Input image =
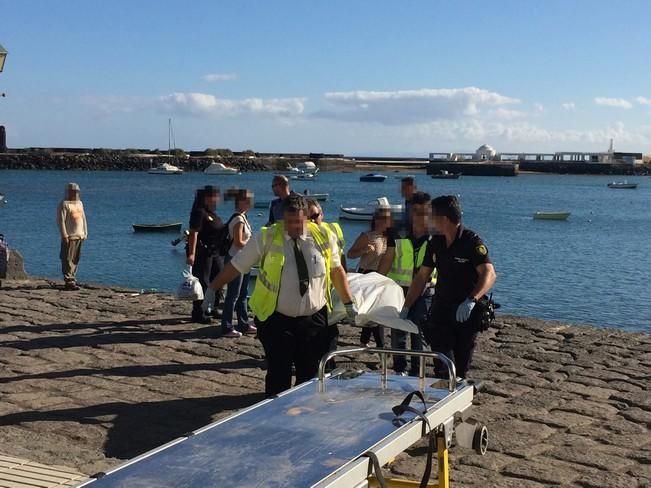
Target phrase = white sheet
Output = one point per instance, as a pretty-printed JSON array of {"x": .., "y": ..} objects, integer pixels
[{"x": 379, "y": 299}]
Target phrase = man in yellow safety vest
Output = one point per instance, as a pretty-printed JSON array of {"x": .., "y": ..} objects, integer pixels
[{"x": 299, "y": 264}]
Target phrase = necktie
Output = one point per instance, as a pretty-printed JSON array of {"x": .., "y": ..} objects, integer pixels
[{"x": 301, "y": 266}]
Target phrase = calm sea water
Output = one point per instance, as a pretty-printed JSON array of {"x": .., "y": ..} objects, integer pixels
[{"x": 593, "y": 268}]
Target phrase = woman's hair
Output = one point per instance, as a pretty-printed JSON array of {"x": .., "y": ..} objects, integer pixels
[{"x": 379, "y": 213}]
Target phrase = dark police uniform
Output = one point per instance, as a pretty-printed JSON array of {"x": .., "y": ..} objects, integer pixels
[
  {"x": 207, "y": 261},
  {"x": 457, "y": 277}
]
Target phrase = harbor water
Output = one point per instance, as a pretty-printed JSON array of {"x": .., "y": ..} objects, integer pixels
[{"x": 593, "y": 268}]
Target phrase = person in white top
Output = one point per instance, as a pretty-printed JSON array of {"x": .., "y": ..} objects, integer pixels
[
  {"x": 71, "y": 221},
  {"x": 297, "y": 332},
  {"x": 239, "y": 231}
]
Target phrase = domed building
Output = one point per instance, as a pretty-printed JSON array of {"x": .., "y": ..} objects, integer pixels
[{"x": 485, "y": 153}]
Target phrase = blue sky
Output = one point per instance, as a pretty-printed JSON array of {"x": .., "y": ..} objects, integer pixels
[{"x": 353, "y": 77}]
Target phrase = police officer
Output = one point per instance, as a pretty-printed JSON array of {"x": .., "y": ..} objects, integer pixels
[
  {"x": 202, "y": 248},
  {"x": 465, "y": 274},
  {"x": 402, "y": 260},
  {"x": 299, "y": 264}
]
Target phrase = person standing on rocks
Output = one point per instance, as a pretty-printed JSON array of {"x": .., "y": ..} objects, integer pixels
[
  {"x": 71, "y": 221},
  {"x": 299, "y": 265},
  {"x": 465, "y": 275}
]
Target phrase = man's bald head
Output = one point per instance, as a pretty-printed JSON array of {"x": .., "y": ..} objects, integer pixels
[{"x": 280, "y": 186}]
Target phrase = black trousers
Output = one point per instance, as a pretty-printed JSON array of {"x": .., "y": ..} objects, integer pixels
[
  {"x": 206, "y": 266},
  {"x": 456, "y": 340},
  {"x": 293, "y": 341}
]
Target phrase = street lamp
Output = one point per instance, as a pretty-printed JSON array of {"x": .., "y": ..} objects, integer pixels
[{"x": 3, "y": 56}]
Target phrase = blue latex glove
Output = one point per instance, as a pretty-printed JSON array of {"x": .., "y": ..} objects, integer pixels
[
  {"x": 208, "y": 300},
  {"x": 465, "y": 309},
  {"x": 351, "y": 311},
  {"x": 404, "y": 312}
]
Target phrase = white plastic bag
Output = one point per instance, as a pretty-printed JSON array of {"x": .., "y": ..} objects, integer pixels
[
  {"x": 378, "y": 299},
  {"x": 190, "y": 288}
]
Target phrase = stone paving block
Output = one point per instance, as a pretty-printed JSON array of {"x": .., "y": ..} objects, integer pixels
[{"x": 607, "y": 480}]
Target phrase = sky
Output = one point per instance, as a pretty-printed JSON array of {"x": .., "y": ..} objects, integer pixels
[{"x": 399, "y": 78}]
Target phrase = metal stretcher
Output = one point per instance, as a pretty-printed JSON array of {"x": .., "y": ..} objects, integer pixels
[{"x": 333, "y": 431}]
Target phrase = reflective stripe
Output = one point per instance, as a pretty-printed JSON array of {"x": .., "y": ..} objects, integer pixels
[
  {"x": 402, "y": 268},
  {"x": 262, "y": 277}
]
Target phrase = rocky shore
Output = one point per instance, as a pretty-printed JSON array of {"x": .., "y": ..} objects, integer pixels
[{"x": 95, "y": 377}]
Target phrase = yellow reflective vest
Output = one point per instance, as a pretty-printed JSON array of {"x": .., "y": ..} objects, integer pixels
[
  {"x": 336, "y": 228},
  {"x": 264, "y": 299},
  {"x": 404, "y": 262}
]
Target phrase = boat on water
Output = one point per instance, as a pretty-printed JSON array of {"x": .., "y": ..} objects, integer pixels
[
  {"x": 445, "y": 175},
  {"x": 167, "y": 168},
  {"x": 624, "y": 185},
  {"x": 216, "y": 168},
  {"x": 172, "y": 227},
  {"x": 551, "y": 215},
  {"x": 373, "y": 178},
  {"x": 366, "y": 213},
  {"x": 3, "y": 200},
  {"x": 305, "y": 176}
]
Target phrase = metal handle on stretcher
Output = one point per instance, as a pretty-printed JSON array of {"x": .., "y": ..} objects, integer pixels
[{"x": 452, "y": 371}]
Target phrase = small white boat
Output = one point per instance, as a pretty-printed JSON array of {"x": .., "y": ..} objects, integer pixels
[
  {"x": 307, "y": 167},
  {"x": 551, "y": 215},
  {"x": 445, "y": 175},
  {"x": 165, "y": 169},
  {"x": 3, "y": 200},
  {"x": 624, "y": 185},
  {"x": 305, "y": 176},
  {"x": 366, "y": 213},
  {"x": 220, "y": 169}
]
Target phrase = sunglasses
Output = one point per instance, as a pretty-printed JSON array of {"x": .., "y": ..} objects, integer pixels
[{"x": 315, "y": 216}]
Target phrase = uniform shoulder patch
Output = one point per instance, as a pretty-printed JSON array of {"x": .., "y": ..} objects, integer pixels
[{"x": 481, "y": 250}]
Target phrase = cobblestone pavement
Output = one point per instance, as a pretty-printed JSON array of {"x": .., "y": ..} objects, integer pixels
[{"x": 91, "y": 378}]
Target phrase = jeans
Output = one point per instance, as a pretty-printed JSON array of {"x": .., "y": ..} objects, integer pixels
[
  {"x": 418, "y": 315},
  {"x": 236, "y": 300}
]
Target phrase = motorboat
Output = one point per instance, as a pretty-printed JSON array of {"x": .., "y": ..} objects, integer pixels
[
  {"x": 373, "y": 178},
  {"x": 445, "y": 175},
  {"x": 551, "y": 215},
  {"x": 366, "y": 213},
  {"x": 3, "y": 200},
  {"x": 165, "y": 169},
  {"x": 220, "y": 169},
  {"x": 305, "y": 176},
  {"x": 307, "y": 167},
  {"x": 624, "y": 185},
  {"x": 289, "y": 170},
  {"x": 173, "y": 227},
  {"x": 320, "y": 197}
]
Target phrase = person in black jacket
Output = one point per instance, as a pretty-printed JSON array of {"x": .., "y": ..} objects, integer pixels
[{"x": 202, "y": 249}]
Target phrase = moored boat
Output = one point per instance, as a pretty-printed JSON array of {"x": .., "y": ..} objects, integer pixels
[
  {"x": 172, "y": 227},
  {"x": 165, "y": 169},
  {"x": 216, "y": 168},
  {"x": 373, "y": 177},
  {"x": 445, "y": 175},
  {"x": 551, "y": 215},
  {"x": 624, "y": 185},
  {"x": 366, "y": 213}
]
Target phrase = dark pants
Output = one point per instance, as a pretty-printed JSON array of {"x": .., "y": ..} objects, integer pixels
[
  {"x": 69, "y": 254},
  {"x": 378, "y": 335},
  {"x": 293, "y": 341},
  {"x": 418, "y": 315},
  {"x": 206, "y": 266},
  {"x": 455, "y": 340}
]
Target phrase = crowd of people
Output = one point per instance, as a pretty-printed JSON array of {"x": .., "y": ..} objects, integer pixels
[{"x": 443, "y": 268}]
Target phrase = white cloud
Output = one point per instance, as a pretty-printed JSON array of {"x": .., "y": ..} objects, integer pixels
[
  {"x": 219, "y": 77},
  {"x": 569, "y": 106},
  {"x": 205, "y": 104},
  {"x": 643, "y": 100},
  {"x": 538, "y": 108},
  {"x": 411, "y": 106},
  {"x": 613, "y": 102}
]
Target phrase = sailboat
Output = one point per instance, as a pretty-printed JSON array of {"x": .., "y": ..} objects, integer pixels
[{"x": 167, "y": 168}]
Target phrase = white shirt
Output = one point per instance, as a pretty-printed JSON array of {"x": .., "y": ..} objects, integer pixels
[
  {"x": 290, "y": 301},
  {"x": 231, "y": 231}
]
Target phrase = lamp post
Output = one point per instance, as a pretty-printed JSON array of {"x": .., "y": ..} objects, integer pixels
[{"x": 3, "y": 56}]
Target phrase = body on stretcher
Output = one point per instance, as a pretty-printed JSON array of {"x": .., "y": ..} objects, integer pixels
[{"x": 316, "y": 434}]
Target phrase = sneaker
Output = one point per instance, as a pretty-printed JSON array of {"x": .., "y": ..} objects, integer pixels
[
  {"x": 232, "y": 333},
  {"x": 250, "y": 329},
  {"x": 364, "y": 344}
]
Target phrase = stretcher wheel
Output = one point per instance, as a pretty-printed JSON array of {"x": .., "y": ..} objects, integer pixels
[{"x": 480, "y": 440}]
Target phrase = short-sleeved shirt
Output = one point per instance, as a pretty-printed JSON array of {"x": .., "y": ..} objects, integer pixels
[
  {"x": 276, "y": 209},
  {"x": 290, "y": 301},
  {"x": 456, "y": 265},
  {"x": 208, "y": 225},
  {"x": 238, "y": 219}
]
